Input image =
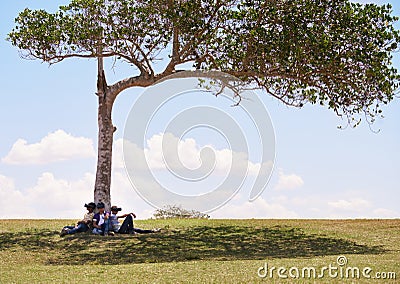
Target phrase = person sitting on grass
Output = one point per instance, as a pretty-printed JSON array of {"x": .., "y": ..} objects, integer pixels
[
  {"x": 101, "y": 221},
  {"x": 82, "y": 225},
  {"x": 127, "y": 226}
]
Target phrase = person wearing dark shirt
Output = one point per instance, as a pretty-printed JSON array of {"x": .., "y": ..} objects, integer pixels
[
  {"x": 101, "y": 220},
  {"x": 127, "y": 226}
]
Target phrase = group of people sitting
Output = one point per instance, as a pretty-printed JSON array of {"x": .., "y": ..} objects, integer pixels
[{"x": 105, "y": 223}]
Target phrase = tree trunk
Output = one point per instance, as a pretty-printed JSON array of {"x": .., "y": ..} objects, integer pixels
[
  {"x": 105, "y": 140},
  {"x": 107, "y": 95}
]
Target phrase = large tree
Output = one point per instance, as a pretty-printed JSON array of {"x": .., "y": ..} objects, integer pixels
[{"x": 329, "y": 52}]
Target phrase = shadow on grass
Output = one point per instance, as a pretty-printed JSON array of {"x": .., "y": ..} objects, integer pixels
[{"x": 207, "y": 243}]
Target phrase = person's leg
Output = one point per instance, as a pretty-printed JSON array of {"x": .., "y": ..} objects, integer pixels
[
  {"x": 69, "y": 227},
  {"x": 72, "y": 231},
  {"x": 65, "y": 230},
  {"x": 105, "y": 227},
  {"x": 141, "y": 231},
  {"x": 80, "y": 228},
  {"x": 130, "y": 224},
  {"x": 127, "y": 225},
  {"x": 97, "y": 231},
  {"x": 116, "y": 228}
]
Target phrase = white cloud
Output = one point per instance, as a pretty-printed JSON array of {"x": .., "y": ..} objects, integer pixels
[
  {"x": 260, "y": 208},
  {"x": 125, "y": 196},
  {"x": 180, "y": 154},
  {"x": 58, "y": 195},
  {"x": 55, "y": 147},
  {"x": 354, "y": 204},
  {"x": 325, "y": 205},
  {"x": 287, "y": 182},
  {"x": 6, "y": 183},
  {"x": 117, "y": 155},
  {"x": 55, "y": 198},
  {"x": 385, "y": 213},
  {"x": 162, "y": 148},
  {"x": 49, "y": 198},
  {"x": 52, "y": 197},
  {"x": 184, "y": 173},
  {"x": 12, "y": 201}
]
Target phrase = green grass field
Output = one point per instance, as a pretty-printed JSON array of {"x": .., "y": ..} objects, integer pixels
[{"x": 202, "y": 251}]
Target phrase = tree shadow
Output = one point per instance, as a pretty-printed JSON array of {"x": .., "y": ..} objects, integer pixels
[{"x": 193, "y": 243}]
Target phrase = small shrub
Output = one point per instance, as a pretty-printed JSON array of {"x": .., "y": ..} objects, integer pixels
[{"x": 177, "y": 212}]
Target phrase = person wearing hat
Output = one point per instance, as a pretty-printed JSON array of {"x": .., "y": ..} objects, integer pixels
[
  {"x": 101, "y": 220},
  {"x": 127, "y": 226},
  {"x": 82, "y": 225}
]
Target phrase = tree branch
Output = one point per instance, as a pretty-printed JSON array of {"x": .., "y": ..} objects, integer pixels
[{"x": 136, "y": 81}]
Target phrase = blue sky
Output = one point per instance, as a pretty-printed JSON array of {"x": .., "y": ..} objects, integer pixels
[{"x": 49, "y": 134}]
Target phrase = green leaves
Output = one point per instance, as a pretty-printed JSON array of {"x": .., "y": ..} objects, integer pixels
[
  {"x": 134, "y": 30},
  {"x": 334, "y": 53}
]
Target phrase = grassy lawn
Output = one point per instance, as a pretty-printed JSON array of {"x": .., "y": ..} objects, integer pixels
[{"x": 200, "y": 251}]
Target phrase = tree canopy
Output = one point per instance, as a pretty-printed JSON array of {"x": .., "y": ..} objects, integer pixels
[{"x": 329, "y": 52}]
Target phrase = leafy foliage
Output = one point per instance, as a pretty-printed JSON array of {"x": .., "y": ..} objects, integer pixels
[
  {"x": 333, "y": 53},
  {"x": 177, "y": 212}
]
